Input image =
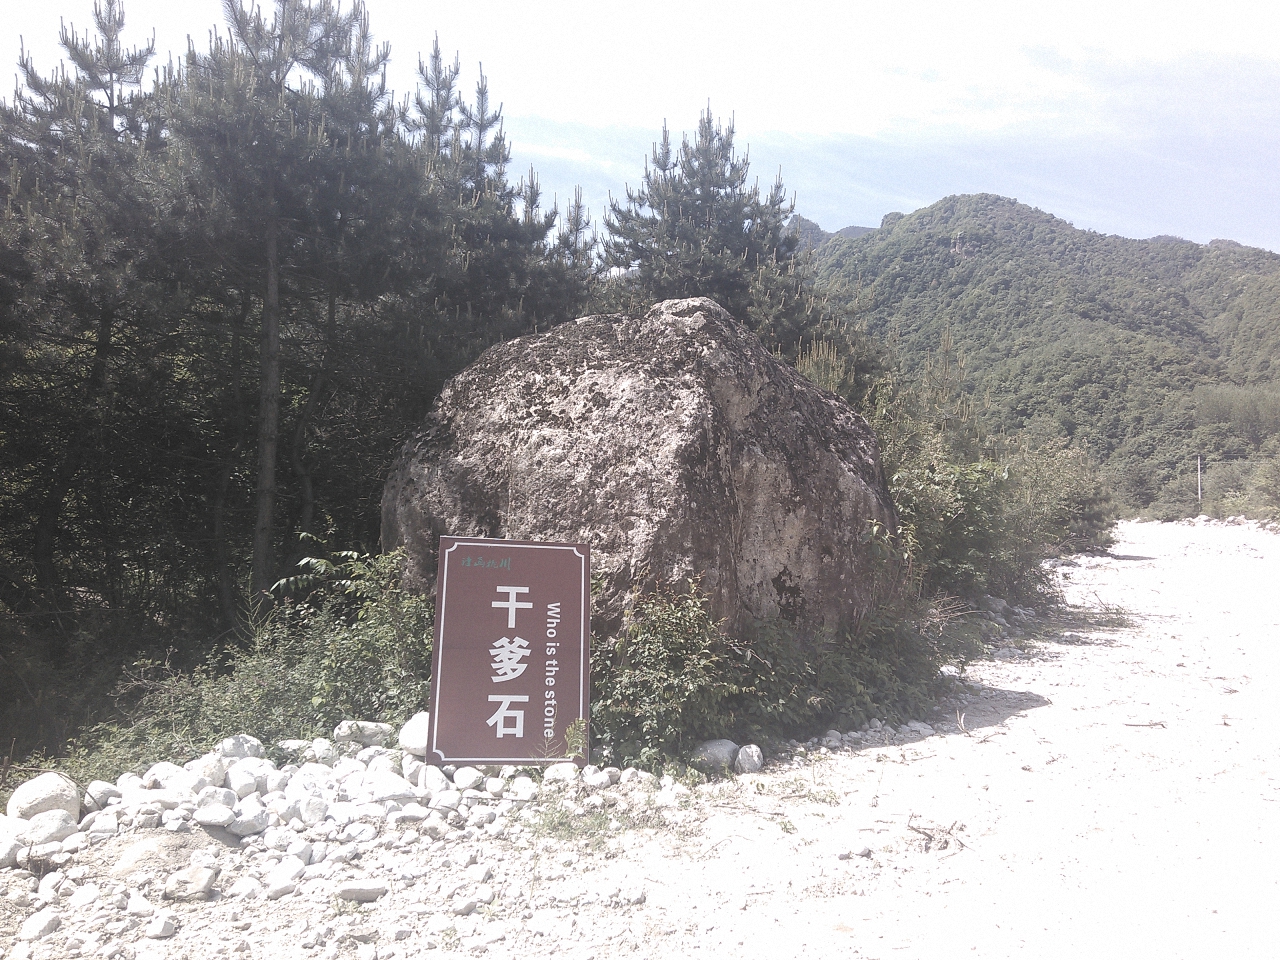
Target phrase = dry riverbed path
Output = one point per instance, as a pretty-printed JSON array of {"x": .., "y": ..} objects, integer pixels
[{"x": 1116, "y": 793}]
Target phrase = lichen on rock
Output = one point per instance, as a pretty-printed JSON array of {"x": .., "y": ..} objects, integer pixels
[{"x": 673, "y": 444}]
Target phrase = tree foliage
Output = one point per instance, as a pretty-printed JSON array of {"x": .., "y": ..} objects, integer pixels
[
  {"x": 1105, "y": 342},
  {"x": 225, "y": 299},
  {"x": 696, "y": 226}
]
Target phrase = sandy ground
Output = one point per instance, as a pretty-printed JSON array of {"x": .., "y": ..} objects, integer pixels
[{"x": 1116, "y": 796}]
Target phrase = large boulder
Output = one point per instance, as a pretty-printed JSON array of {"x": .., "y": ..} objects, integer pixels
[{"x": 673, "y": 444}]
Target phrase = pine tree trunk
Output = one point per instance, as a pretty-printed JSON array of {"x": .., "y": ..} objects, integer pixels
[
  {"x": 268, "y": 413},
  {"x": 226, "y": 574},
  {"x": 49, "y": 518},
  {"x": 306, "y": 516}
]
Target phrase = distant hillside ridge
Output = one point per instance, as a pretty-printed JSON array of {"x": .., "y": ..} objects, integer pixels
[
  {"x": 813, "y": 236},
  {"x": 1110, "y": 341}
]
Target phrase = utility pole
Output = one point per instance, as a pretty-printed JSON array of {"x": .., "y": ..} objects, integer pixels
[{"x": 1199, "y": 498}]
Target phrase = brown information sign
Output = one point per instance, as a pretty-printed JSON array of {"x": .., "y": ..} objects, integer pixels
[{"x": 511, "y": 668}]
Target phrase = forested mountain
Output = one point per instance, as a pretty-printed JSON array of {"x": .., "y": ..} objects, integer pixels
[{"x": 1145, "y": 352}]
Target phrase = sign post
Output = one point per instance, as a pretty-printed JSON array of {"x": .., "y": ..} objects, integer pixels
[{"x": 511, "y": 670}]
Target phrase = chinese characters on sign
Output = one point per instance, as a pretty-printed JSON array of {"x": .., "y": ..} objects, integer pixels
[{"x": 510, "y": 675}]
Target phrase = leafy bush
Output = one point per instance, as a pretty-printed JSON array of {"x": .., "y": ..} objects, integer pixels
[
  {"x": 356, "y": 646},
  {"x": 663, "y": 686},
  {"x": 675, "y": 678},
  {"x": 977, "y": 514}
]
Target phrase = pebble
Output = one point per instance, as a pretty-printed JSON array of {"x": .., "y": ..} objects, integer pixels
[
  {"x": 160, "y": 927},
  {"x": 342, "y": 822},
  {"x": 193, "y": 883},
  {"x": 362, "y": 891}
]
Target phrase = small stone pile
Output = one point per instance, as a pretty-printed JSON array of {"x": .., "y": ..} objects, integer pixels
[{"x": 121, "y": 868}]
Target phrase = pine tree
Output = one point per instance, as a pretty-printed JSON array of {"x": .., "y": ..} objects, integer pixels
[
  {"x": 697, "y": 227},
  {"x": 75, "y": 148}
]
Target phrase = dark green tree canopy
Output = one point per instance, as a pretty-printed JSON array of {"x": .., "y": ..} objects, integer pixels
[{"x": 697, "y": 226}]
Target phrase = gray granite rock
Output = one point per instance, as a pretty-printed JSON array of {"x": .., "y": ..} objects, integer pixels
[
  {"x": 698, "y": 453},
  {"x": 714, "y": 756}
]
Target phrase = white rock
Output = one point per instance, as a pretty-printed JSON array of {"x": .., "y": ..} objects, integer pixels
[
  {"x": 12, "y": 826},
  {"x": 312, "y": 810},
  {"x": 99, "y": 793},
  {"x": 52, "y": 826},
  {"x": 362, "y": 891},
  {"x": 160, "y": 928},
  {"x": 277, "y": 887},
  {"x": 75, "y": 843},
  {"x": 49, "y": 791},
  {"x": 39, "y": 925},
  {"x": 246, "y": 887},
  {"x": 750, "y": 759},
  {"x": 379, "y": 787},
  {"x": 211, "y": 795},
  {"x": 283, "y": 879},
  {"x": 242, "y": 781},
  {"x": 241, "y": 745},
  {"x": 139, "y": 906},
  {"x": 212, "y": 766},
  {"x": 49, "y": 884},
  {"x": 365, "y": 732},
  {"x": 86, "y": 895},
  {"x": 561, "y": 772},
  {"x": 321, "y": 751},
  {"x": 214, "y": 815},
  {"x": 9, "y": 847},
  {"x": 358, "y": 832},
  {"x": 414, "y": 735},
  {"x": 596, "y": 779},
  {"x": 523, "y": 788},
  {"x": 479, "y": 872},
  {"x": 467, "y": 778},
  {"x": 250, "y": 818},
  {"x": 446, "y": 800},
  {"x": 193, "y": 883},
  {"x": 105, "y": 824},
  {"x": 432, "y": 778},
  {"x": 301, "y": 850},
  {"x": 160, "y": 774}
]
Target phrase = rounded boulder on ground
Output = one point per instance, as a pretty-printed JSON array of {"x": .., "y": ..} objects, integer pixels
[
  {"x": 750, "y": 759},
  {"x": 413, "y": 735},
  {"x": 49, "y": 791},
  {"x": 714, "y": 756},
  {"x": 676, "y": 445}
]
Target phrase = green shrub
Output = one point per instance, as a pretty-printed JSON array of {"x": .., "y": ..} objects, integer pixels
[
  {"x": 675, "y": 678},
  {"x": 355, "y": 646},
  {"x": 663, "y": 685}
]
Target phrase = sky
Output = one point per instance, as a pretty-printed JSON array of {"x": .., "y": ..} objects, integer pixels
[{"x": 1139, "y": 119}]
